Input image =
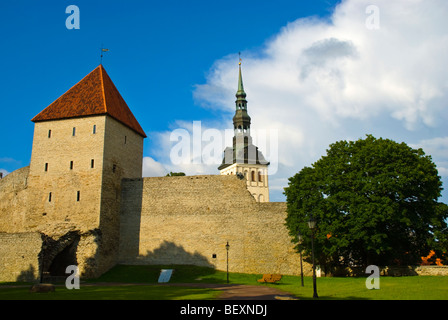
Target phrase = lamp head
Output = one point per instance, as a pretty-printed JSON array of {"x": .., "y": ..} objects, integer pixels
[{"x": 312, "y": 223}]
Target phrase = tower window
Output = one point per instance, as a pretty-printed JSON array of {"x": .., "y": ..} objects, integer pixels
[
  {"x": 49, "y": 197},
  {"x": 74, "y": 131},
  {"x": 94, "y": 128},
  {"x": 49, "y": 133},
  {"x": 71, "y": 165},
  {"x": 92, "y": 163},
  {"x": 259, "y": 176},
  {"x": 78, "y": 195},
  {"x": 252, "y": 175},
  {"x": 46, "y": 167}
]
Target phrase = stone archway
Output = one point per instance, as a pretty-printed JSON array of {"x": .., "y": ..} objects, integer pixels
[
  {"x": 58, "y": 253},
  {"x": 63, "y": 259}
]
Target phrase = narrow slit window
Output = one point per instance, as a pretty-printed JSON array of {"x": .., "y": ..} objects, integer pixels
[
  {"x": 78, "y": 195},
  {"x": 46, "y": 167},
  {"x": 74, "y": 131},
  {"x": 92, "y": 163},
  {"x": 49, "y": 133},
  {"x": 94, "y": 128},
  {"x": 71, "y": 165},
  {"x": 49, "y": 197},
  {"x": 125, "y": 138}
]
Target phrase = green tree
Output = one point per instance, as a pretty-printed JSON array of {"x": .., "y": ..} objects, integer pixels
[
  {"x": 175, "y": 174},
  {"x": 375, "y": 202}
]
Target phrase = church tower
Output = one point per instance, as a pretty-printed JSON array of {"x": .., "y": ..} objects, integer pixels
[{"x": 244, "y": 159}]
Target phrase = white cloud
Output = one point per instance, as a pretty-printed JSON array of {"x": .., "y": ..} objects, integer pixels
[
  {"x": 319, "y": 81},
  {"x": 152, "y": 168}
]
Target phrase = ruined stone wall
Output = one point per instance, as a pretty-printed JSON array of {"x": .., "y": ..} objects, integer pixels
[
  {"x": 189, "y": 220},
  {"x": 14, "y": 194},
  {"x": 19, "y": 256}
]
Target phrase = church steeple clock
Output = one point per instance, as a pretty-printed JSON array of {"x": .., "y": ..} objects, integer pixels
[{"x": 244, "y": 159}]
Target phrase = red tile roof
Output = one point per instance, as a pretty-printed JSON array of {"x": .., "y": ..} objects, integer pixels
[{"x": 95, "y": 94}]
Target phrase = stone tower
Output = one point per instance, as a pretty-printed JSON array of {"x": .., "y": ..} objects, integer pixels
[
  {"x": 244, "y": 159},
  {"x": 84, "y": 144}
]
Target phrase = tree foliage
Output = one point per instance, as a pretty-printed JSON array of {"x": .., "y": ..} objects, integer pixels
[
  {"x": 175, "y": 174},
  {"x": 375, "y": 202}
]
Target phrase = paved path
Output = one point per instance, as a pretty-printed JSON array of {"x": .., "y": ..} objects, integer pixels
[{"x": 243, "y": 292}]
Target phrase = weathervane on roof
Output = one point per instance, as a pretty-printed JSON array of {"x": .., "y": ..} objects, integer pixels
[{"x": 103, "y": 50}]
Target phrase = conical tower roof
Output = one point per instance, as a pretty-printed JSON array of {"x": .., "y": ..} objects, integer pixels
[{"x": 95, "y": 94}]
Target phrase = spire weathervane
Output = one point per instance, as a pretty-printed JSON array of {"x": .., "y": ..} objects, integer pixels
[{"x": 103, "y": 50}]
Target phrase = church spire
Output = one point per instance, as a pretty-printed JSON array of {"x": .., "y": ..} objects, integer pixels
[
  {"x": 243, "y": 158},
  {"x": 241, "y": 102},
  {"x": 241, "y": 120},
  {"x": 240, "y": 83}
]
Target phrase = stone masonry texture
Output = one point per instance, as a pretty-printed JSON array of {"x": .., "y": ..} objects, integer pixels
[{"x": 189, "y": 220}]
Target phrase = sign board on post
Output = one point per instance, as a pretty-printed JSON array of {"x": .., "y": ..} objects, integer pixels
[{"x": 165, "y": 275}]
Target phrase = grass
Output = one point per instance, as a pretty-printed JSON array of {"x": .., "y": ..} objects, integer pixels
[
  {"x": 391, "y": 288},
  {"x": 141, "y": 283},
  {"x": 132, "y": 292}
]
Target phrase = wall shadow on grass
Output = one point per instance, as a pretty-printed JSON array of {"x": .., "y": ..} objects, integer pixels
[{"x": 171, "y": 253}]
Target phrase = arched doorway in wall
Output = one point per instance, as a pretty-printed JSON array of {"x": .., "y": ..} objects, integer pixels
[
  {"x": 63, "y": 259},
  {"x": 57, "y": 255}
]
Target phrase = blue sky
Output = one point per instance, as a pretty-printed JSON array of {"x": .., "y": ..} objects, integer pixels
[{"x": 312, "y": 70}]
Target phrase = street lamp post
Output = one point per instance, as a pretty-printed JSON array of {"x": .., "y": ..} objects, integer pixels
[
  {"x": 227, "y": 249},
  {"x": 312, "y": 226},
  {"x": 299, "y": 239}
]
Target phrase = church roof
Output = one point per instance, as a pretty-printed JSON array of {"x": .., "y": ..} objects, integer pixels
[{"x": 95, "y": 94}]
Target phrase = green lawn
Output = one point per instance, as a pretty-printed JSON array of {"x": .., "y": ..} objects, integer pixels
[
  {"x": 391, "y": 288},
  {"x": 133, "y": 292}
]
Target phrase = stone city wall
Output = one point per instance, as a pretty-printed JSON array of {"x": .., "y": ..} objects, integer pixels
[
  {"x": 189, "y": 220},
  {"x": 19, "y": 254}
]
